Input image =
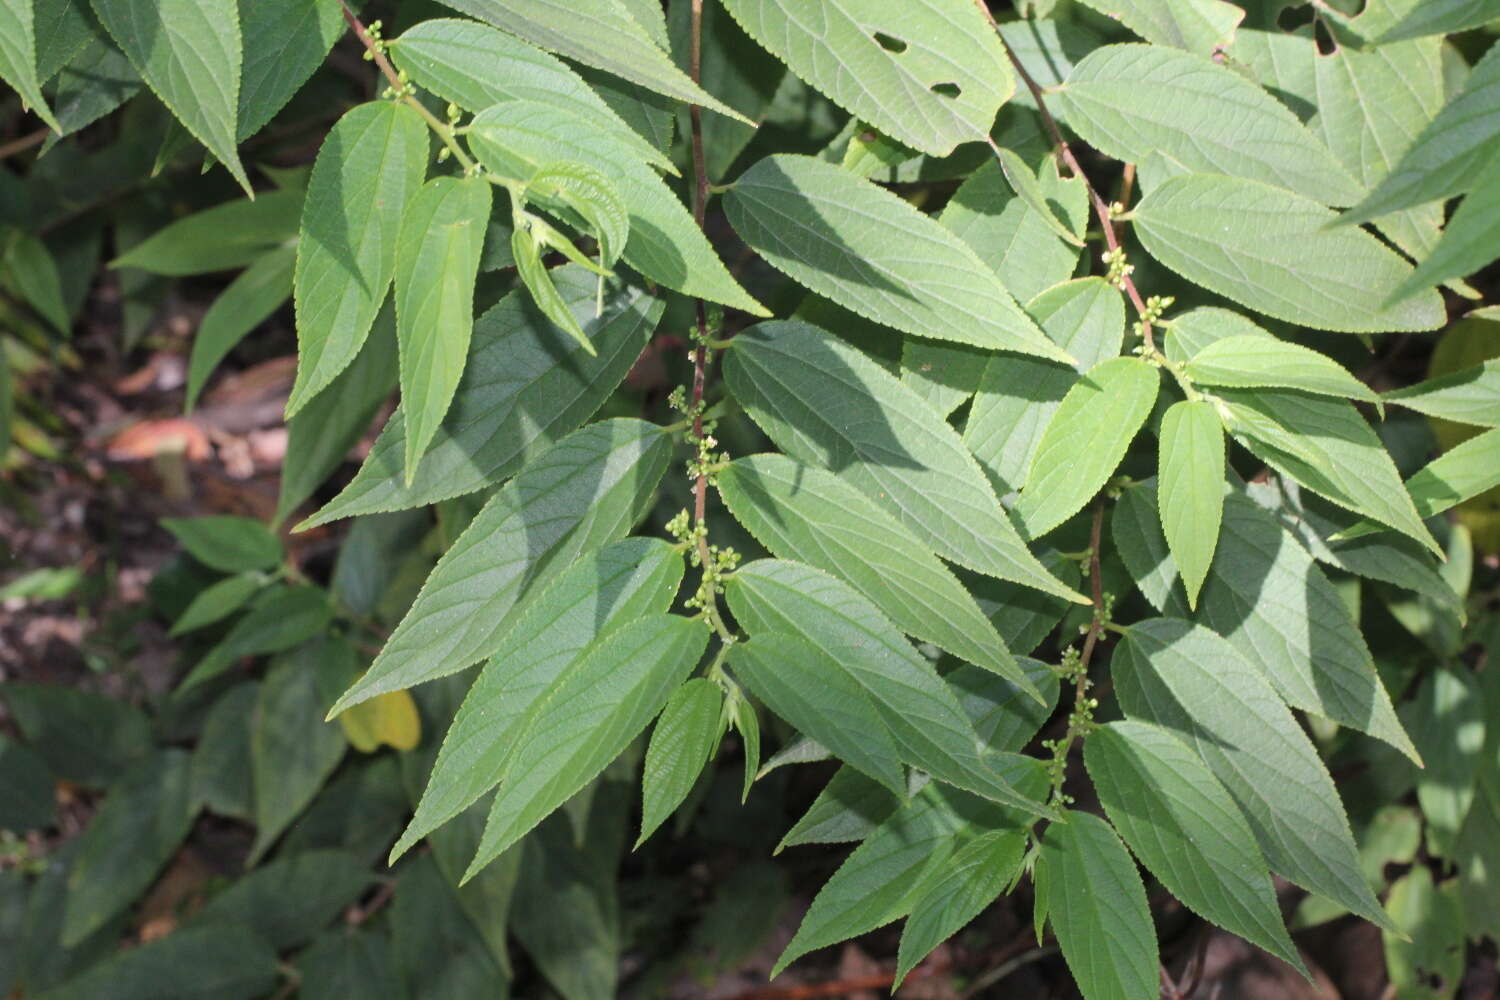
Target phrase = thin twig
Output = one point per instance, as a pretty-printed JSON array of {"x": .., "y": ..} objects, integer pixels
[
  {"x": 1005, "y": 968},
  {"x": 24, "y": 143},
  {"x": 1101, "y": 209}
]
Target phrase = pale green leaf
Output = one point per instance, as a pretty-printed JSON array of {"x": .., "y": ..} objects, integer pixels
[
  {"x": 1084, "y": 441},
  {"x": 1131, "y": 100},
  {"x": 369, "y": 166},
  {"x": 1202, "y": 26},
  {"x": 928, "y": 73},
  {"x": 1439, "y": 17},
  {"x": 824, "y": 699},
  {"x": 826, "y": 403},
  {"x": 1191, "y": 333},
  {"x": 437, "y": 259},
  {"x": 1191, "y": 488},
  {"x": 582, "y": 493},
  {"x": 868, "y": 250},
  {"x": 1459, "y": 474},
  {"x": 1326, "y": 446},
  {"x": 1468, "y": 242},
  {"x": 18, "y": 57},
  {"x": 1468, "y": 396},
  {"x": 525, "y": 384},
  {"x": 230, "y": 235},
  {"x": 285, "y": 41},
  {"x": 1269, "y": 249},
  {"x": 588, "y": 715},
  {"x": 1251, "y": 362},
  {"x": 1188, "y": 680},
  {"x": 242, "y": 306},
  {"x": 682, "y": 742},
  {"x": 225, "y": 542},
  {"x": 218, "y": 601},
  {"x": 1024, "y": 183},
  {"x": 1449, "y": 154},
  {"x": 526, "y": 249},
  {"x": 1425, "y": 944},
  {"x": 598, "y": 593},
  {"x": 1447, "y": 722},
  {"x": 1088, "y": 886},
  {"x": 593, "y": 197},
  {"x": 950, "y": 897},
  {"x": 803, "y": 512},
  {"x": 1016, "y": 397},
  {"x": 517, "y": 138},
  {"x": 476, "y": 66},
  {"x": 1182, "y": 824},
  {"x": 922, "y": 713},
  {"x": 599, "y": 33},
  {"x": 190, "y": 54}
]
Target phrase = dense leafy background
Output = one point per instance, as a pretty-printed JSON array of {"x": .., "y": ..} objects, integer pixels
[{"x": 514, "y": 497}]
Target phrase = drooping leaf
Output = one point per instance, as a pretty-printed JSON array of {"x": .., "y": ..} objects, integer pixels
[
  {"x": 681, "y": 744},
  {"x": 525, "y": 385},
  {"x": 1190, "y": 484},
  {"x": 1326, "y": 446},
  {"x": 227, "y": 543},
  {"x": 589, "y": 714},
  {"x": 1188, "y": 680},
  {"x": 1270, "y": 250},
  {"x": 924, "y": 717},
  {"x": 825, "y": 403},
  {"x": 1201, "y": 26},
  {"x": 1087, "y": 886},
  {"x": 1084, "y": 441},
  {"x": 1131, "y": 100},
  {"x": 437, "y": 259},
  {"x": 368, "y": 167},
  {"x": 246, "y": 303},
  {"x": 599, "y": 33},
  {"x": 517, "y": 138},
  {"x": 1016, "y": 397},
  {"x": 863, "y": 247},
  {"x": 1182, "y": 824},
  {"x": 190, "y": 53},
  {"x": 581, "y": 494},
  {"x": 929, "y": 73},
  {"x": 802, "y": 512},
  {"x": 285, "y": 41},
  {"x": 1248, "y": 362}
]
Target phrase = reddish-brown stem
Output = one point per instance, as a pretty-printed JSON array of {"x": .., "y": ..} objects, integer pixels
[
  {"x": 363, "y": 35},
  {"x": 24, "y": 143},
  {"x": 1101, "y": 208},
  {"x": 700, "y": 214}
]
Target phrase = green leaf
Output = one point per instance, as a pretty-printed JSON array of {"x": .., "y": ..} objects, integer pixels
[
  {"x": 1087, "y": 885},
  {"x": 230, "y": 235},
  {"x": 1183, "y": 825},
  {"x": 527, "y": 243},
  {"x": 802, "y": 512},
  {"x": 1459, "y": 474},
  {"x": 922, "y": 713},
  {"x": 435, "y": 942},
  {"x": 476, "y": 66},
  {"x": 599, "y": 33},
  {"x": 18, "y": 57},
  {"x": 285, "y": 42},
  {"x": 227, "y": 543},
  {"x": 1439, "y": 17},
  {"x": 1024, "y": 183},
  {"x": 590, "y": 194},
  {"x": 85, "y": 738},
  {"x": 145, "y": 816},
  {"x": 682, "y": 742},
  {"x": 369, "y": 166},
  {"x": 246, "y": 303},
  {"x": 218, "y": 602},
  {"x": 1191, "y": 488},
  {"x": 1251, "y": 362},
  {"x": 584, "y": 492},
  {"x": 1004, "y": 716},
  {"x": 344, "y": 962},
  {"x": 1190, "y": 681},
  {"x": 1468, "y": 242},
  {"x": 437, "y": 259},
  {"x": 929, "y": 73},
  {"x": 824, "y": 698},
  {"x": 27, "y": 790},
  {"x": 1010, "y": 236},
  {"x": 1447, "y": 722},
  {"x": 1193, "y": 332},
  {"x": 1326, "y": 446},
  {"x": 1449, "y": 154},
  {"x": 289, "y": 900},
  {"x": 1201, "y": 26},
  {"x": 1085, "y": 440},
  {"x": 826, "y": 403},
  {"x": 292, "y": 749},
  {"x": 566, "y": 912},
  {"x": 67, "y": 28},
  {"x": 1131, "y": 100},
  {"x": 517, "y": 138},
  {"x": 189, "y": 52},
  {"x": 1426, "y": 943},
  {"x": 221, "y": 760},
  {"x": 1468, "y": 396},
  {"x": 955, "y": 894},
  {"x": 225, "y": 962},
  {"x": 587, "y": 716},
  {"x": 862, "y": 246},
  {"x": 97, "y": 81},
  {"x": 33, "y": 271},
  {"x": 1016, "y": 397},
  {"x": 328, "y": 427},
  {"x": 1270, "y": 250},
  {"x": 848, "y": 809},
  {"x": 525, "y": 384}
]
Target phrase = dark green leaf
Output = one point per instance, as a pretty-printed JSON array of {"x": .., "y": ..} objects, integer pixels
[
  {"x": 681, "y": 744},
  {"x": 226, "y": 543}
]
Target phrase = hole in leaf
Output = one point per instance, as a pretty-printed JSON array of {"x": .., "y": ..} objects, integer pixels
[
  {"x": 1327, "y": 44},
  {"x": 946, "y": 89},
  {"x": 889, "y": 42},
  {"x": 1292, "y": 18}
]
